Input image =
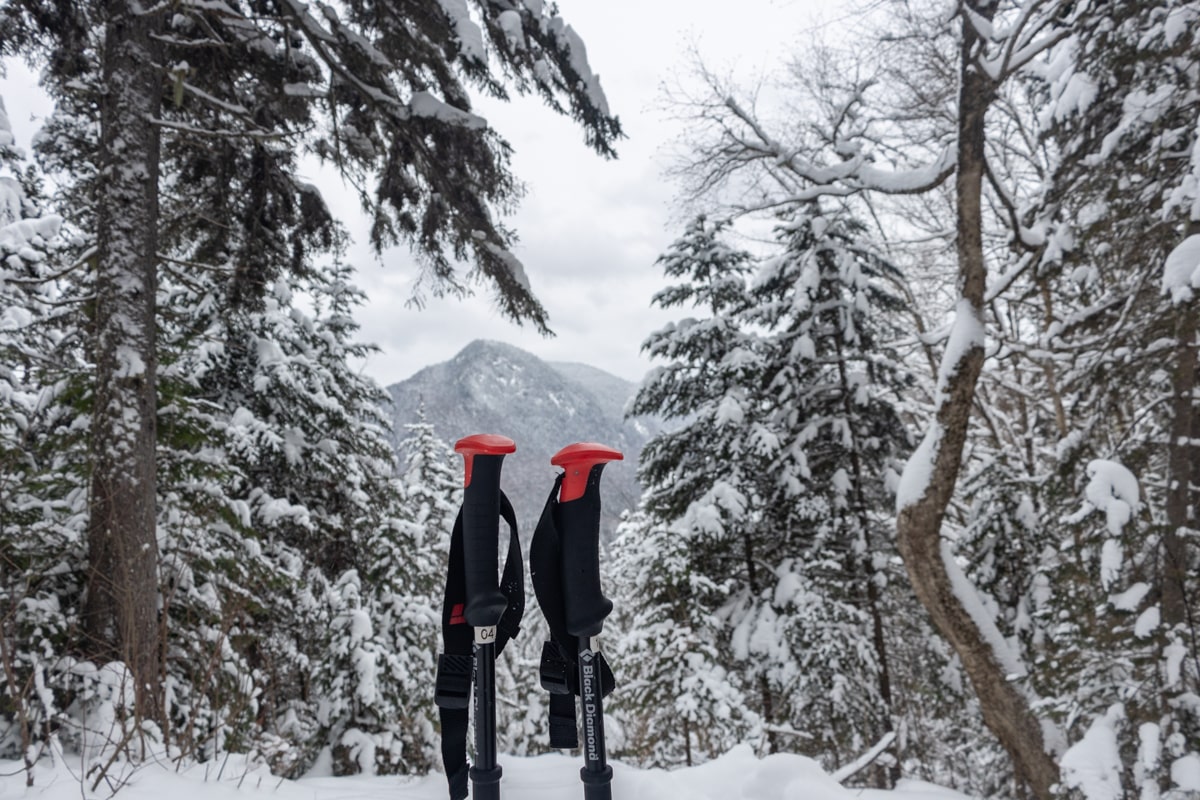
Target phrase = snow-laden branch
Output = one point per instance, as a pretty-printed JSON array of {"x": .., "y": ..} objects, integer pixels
[
  {"x": 1024, "y": 41},
  {"x": 855, "y": 174},
  {"x": 1181, "y": 272},
  {"x": 865, "y": 760}
]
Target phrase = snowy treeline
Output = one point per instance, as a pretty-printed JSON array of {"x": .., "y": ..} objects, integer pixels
[{"x": 936, "y": 465}]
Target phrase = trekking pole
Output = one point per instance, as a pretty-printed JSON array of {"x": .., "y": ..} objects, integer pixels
[
  {"x": 584, "y": 604},
  {"x": 485, "y": 603}
]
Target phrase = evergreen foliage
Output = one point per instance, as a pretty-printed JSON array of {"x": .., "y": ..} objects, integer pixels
[
  {"x": 1041, "y": 306},
  {"x": 758, "y": 557},
  {"x": 232, "y": 449}
]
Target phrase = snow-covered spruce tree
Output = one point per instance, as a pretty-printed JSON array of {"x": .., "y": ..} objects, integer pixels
[
  {"x": 431, "y": 488},
  {"x": 678, "y": 702},
  {"x": 404, "y": 569},
  {"x": 40, "y": 486},
  {"x": 774, "y": 491},
  {"x": 309, "y": 439},
  {"x": 217, "y": 99},
  {"x": 1122, "y": 108},
  {"x": 701, "y": 476},
  {"x": 706, "y": 362},
  {"x": 829, "y": 410}
]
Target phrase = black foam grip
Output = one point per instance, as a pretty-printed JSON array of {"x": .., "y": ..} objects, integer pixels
[
  {"x": 481, "y": 527},
  {"x": 578, "y": 524}
]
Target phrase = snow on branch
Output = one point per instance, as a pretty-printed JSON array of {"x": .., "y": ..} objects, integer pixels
[
  {"x": 853, "y": 175},
  {"x": 966, "y": 334},
  {"x": 865, "y": 760},
  {"x": 974, "y": 604},
  {"x": 1036, "y": 30},
  {"x": 1181, "y": 273},
  {"x": 1112, "y": 489}
]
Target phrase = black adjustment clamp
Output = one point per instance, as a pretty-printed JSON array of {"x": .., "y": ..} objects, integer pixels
[
  {"x": 555, "y": 671},
  {"x": 453, "y": 687}
]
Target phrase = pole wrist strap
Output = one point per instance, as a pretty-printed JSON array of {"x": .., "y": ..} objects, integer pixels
[
  {"x": 456, "y": 664},
  {"x": 559, "y": 669}
]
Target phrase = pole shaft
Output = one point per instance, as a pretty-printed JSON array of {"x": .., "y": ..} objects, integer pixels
[
  {"x": 596, "y": 774},
  {"x": 485, "y": 774}
]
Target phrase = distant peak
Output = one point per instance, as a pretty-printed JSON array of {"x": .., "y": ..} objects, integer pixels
[{"x": 480, "y": 347}]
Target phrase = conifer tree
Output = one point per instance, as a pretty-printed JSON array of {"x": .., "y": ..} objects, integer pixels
[
  {"x": 182, "y": 125},
  {"x": 829, "y": 408},
  {"x": 702, "y": 478},
  {"x": 679, "y": 703},
  {"x": 39, "y": 484},
  {"x": 1122, "y": 109}
]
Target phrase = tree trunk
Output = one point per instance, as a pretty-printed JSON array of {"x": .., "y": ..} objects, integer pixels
[
  {"x": 767, "y": 699},
  {"x": 1181, "y": 456},
  {"x": 120, "y": 615},
  {"x": 1006, "y": 710},
  {"x": 862, "y": 566}
]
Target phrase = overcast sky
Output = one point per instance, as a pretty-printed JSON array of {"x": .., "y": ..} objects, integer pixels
[{"x": 590, "y": 229}]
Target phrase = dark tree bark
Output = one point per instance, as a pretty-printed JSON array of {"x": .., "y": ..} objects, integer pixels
[
  {"x": 1006, "y": 710},
  {"x": 120, "y": 615},
  {"x": 1182, "y": 454},
  {"x": 863, "y": 566}
]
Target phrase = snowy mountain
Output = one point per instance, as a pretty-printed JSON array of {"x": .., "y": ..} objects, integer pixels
[{"x": 491, "y": 387}]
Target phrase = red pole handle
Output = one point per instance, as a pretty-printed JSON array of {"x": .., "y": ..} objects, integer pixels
[
  {"x": 577, "y": 461},
  {"x": 578, "y": 518},
  {"x": 487, "y": 444}
]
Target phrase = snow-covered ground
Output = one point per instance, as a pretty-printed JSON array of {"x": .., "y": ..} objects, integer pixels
[{"x": 738, "y": 775}]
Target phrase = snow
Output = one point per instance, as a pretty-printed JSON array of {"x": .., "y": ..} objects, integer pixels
[
  {"x": 1112, "y": 489},
  {"x": 971, "y": 601},
  {"x": 129, "y": 363},
  {"x": 737, "y": 775},
  {"x": 515, "y": 268},
  {"x": 966, "y": 334},
  {"x": 1093, "y": 764},
  {"x": 6, "y": 132},
  {"x": 1112, "y": 556},
  {"x": 1185, "y": 772},
  {"x": 1181, "y": 273},
  {"x": 1140, "y": 108},
  {"x": 25, "y": 234},
  {"x": 1173, "y": 655},
  {"x": 729, "y": 410},
  {"x": 510, "y": 22},
  {"x": 1077, "y": 96},
  {"x": 1147, "y": 622},
  {"x": 424, "y": 104},
  {"x": 866, "y": 758},
  {"x": 917, "y": 472},
  {"x": 1131, "y": 598},
  {"x": 11, "y": 200},
  {"x": 578, "y": 57},
  {"x": 470, "y": 37},
  {"x": 1150, "y": 745},
  {"x": 1177, "y": 23},
  {"x": 907, "y": 181}
]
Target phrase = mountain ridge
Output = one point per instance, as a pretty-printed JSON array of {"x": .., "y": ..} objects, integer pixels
[{"x": 495, "y": 387}]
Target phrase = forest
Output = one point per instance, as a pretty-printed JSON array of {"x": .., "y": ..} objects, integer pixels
[{"x": 925, "y": 497}]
